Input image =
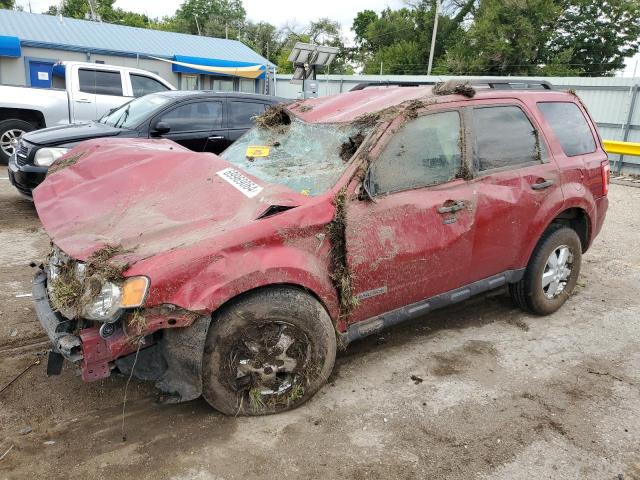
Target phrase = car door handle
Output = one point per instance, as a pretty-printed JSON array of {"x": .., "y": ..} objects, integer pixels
[
  {"x": 452, "y": 208},
  {"x": 83, "y": 100},
  {"x": 216, "y": 137},
  {"x": 542, "y": 185}
]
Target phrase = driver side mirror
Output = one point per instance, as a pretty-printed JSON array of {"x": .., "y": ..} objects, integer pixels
[{"x": 161, "y": 128}]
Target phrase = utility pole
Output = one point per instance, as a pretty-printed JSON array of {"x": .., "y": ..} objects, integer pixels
[
  {"x": 197, "y": 24},
  {"x": 433, "y": 37}
]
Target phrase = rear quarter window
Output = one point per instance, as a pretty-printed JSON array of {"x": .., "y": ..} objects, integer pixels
[{"x": 569, "y": 126}]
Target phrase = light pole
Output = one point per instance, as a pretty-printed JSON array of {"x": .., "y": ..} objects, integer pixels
[{"x": 433, "y": 37}]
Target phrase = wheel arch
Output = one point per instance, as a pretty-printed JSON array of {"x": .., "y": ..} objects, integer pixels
[{"x": 34, "y": 117}]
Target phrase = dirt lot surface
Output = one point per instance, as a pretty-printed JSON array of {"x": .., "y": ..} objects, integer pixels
[{"x": 503, "y": 395}]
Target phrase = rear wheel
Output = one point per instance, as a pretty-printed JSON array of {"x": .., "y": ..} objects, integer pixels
[
  {"x": 267, "y": 352},
  {"x": 552, "y": 272},
  {"x": 10, "y": 132}
]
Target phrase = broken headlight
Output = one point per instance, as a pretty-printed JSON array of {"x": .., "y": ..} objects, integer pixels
[{"x": 104, "y": 306}]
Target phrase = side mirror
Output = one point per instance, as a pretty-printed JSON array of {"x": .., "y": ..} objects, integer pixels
[
  {"x": 161, "y": 128},
  {"x": 366, "y": 189}
]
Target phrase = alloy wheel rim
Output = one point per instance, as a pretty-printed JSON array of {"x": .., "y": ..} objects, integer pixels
[
  {"x": 268, "y": 362},
  {"x": 9, "y": 140},
  {"x": 557, "y": 271}
]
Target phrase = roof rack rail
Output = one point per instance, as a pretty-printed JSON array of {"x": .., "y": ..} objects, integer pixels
[
  {"x": 498, "y": 84},
  {"x": 391, "y": 83},
  {"x": 505, "y": 84}
]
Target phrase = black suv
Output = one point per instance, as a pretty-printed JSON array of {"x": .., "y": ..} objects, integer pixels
[{"x": 199, "y": 120}]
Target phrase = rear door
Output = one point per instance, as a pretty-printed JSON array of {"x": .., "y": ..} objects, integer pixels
[
  {"x": 575, "y": 149},
  {"x": 415, "y": 239},
  {"x": 196, "y": 125},
  {"x": 518, "y": 185},
  {"x": 96, "y": 92},
  {"x": 241, "y": 114}
]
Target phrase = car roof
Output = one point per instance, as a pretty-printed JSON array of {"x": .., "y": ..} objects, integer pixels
[
  {"x": 348, "y": 106},
  {"x": 184, "y": 94}
]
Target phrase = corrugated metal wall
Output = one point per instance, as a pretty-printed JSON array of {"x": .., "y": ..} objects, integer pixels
[{"x": 608, "y": 99}]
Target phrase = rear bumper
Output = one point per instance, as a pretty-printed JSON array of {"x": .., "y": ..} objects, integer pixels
[{"x": 598, "y": 215}]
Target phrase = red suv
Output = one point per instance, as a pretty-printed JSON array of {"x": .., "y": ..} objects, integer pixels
[{"x": 236, "y": 277}]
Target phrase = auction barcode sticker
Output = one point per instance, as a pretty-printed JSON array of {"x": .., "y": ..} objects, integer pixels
[{"x": 239, "y": 181}]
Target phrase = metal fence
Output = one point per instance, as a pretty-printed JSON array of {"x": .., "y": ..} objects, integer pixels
[{"x": 614, "y": 103}]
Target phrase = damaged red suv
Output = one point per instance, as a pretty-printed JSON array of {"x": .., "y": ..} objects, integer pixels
[{"x": 236, "y": 277}]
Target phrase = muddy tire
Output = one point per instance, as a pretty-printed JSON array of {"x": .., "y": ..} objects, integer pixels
[
  {"x": 551, "y": 274},
  {"x": 267, "y": 352},
  {"x": 10, "y": 132}
]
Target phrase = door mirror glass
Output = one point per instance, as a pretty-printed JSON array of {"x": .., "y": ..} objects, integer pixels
[{"x": 161, "y": 128}]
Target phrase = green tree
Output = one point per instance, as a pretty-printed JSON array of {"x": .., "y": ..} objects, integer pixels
[
  {"x": 7, "y": 4},
  {"x": 264, "y": 38},
  {"x": 104, "y": 8},
  {"x": 399, "y": 41},
  {"x": 216, "y": 18},
  {"x": 507, "y": 37},
  {"x": 595, "y": 35}
]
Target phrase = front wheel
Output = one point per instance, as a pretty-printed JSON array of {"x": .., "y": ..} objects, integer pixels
[
  {"x": 10, "y": 132},
  {"x": 552, "y": 272},
  {"x": 267, "y": 352}
]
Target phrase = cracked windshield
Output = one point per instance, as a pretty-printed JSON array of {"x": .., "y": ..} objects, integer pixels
[{"x": 308, "y": 158}]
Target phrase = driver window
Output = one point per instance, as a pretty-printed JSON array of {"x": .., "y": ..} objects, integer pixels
[{"x": 426, "y": 151}]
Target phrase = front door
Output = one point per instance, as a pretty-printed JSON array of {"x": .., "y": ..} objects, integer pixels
[
  {"x": 40, "y": 73},
  {"x": 195, "y": 125},
  {"x": 414, "y": 240},
  {"x": 517, "y": 184}
]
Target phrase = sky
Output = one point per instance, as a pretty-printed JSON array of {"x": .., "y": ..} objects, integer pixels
[{"x": 280, "y": 12}]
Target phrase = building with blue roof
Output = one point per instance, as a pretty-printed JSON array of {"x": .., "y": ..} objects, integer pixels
[{"x": 31, "y": 43}]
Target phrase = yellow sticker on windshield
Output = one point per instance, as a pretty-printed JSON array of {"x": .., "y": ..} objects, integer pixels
[{"x": 255, "y": 151}]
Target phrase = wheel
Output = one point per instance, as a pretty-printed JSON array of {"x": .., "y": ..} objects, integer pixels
[
  {"x": 10, "y": 132},
  {"x": 269, "y": 351},
  {"x": 551, "y": 274}
]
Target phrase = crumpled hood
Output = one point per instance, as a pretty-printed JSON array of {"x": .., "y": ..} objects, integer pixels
[{"x": 148, "y": 196}]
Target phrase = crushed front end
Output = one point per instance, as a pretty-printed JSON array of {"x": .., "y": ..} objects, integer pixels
[{"x": 95, "y": 318}]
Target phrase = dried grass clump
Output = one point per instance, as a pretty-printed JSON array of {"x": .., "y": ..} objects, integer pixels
[
  {"x": 274, "y": 117},
  {"x": 63, "y": 163},
  {"x": 453, "y": 87},
  {"x": 99, "y": 262},
  {"x": 340, "y": 274}
]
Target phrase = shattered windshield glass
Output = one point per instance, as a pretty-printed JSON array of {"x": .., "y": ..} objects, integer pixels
[{"x": 308, "y": 158}]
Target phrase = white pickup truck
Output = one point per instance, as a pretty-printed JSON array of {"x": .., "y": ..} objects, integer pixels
[{"x": 80, "y": 92}]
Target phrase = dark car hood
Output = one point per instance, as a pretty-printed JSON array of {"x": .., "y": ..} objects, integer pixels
[
  {"x": 149, "y": 196},
  {"x": 75, "y": 132}
]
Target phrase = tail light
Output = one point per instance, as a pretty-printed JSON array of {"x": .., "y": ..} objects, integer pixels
[{"x": 605, "y": 170}]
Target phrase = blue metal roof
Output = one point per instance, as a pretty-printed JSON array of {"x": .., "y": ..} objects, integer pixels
[{"x": 47, "y": 31}]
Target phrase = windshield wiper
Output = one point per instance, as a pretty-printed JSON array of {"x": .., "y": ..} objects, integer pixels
[{"x": 123, "y": 117}]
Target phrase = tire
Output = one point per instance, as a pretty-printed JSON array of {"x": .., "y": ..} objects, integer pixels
[
  {"x": 529, "y": 293},
  {"x": 10, "y": 132},
  {"x": 268, "y": 351}
]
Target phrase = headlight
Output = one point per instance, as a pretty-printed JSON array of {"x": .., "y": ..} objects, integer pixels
[
  {"x": 46, "y": 156},
  {"x": 106, "y": 304}
]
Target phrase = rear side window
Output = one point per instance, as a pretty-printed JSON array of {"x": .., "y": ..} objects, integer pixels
[
  {"x": 142, "y": 85},
  {"x": 425, "y": 152},
  {"x": 503, "y": 137},
  {"x": 100, "y": 82},
  {"x": 569, "y": 126},
  {"x": 193, "y": 117},
  {"x": 241, "y": 113}
]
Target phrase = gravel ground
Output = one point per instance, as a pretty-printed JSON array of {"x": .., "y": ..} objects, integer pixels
[{"x": 504, "y": 395}]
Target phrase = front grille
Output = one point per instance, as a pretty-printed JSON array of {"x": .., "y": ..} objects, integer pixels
[{"x": 22, "y": 154}]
